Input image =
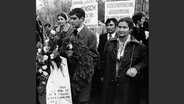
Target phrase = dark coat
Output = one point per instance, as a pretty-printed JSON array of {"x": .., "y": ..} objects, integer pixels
[
  {"x": 102, "y": 42},
  {"x": 139, "y": 34},
  {"x": 121, "y": 89}
]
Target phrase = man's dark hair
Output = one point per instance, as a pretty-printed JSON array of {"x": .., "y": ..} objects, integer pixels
[
  {"x": 113, "y": 20},
  {"x": 79, "y": 12},
  {"x": 137, "y": 17},
  {"x": 47, "y": 25}
]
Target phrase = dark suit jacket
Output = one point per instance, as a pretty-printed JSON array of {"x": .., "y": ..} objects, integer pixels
[{"x": 102, "y": 42}]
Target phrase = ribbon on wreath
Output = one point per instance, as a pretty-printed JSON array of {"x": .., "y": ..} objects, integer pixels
[{"x": 58, "y": 89}]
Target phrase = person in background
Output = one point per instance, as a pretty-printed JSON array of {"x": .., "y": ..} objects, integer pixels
[
  {"x": 146, "y": 24},
  {"x": 111, "y": 26},
  {"x": 139, "y": 31},
  {"x": 83, "y": 33},
  {"x": 123, "y": 60},
  {"x": 47, "y": 28},
  {"x": 63, "y": 28},
  {"x": 63, "y": 25}
]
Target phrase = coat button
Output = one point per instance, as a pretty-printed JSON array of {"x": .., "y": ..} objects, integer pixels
[{"x": 117, "y": 84}]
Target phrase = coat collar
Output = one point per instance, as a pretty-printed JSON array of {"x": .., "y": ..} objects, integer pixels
[{"x": 83, "y": 32}]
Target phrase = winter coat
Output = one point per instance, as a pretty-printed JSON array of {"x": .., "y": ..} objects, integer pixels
[{"x": 121, "y": 88}]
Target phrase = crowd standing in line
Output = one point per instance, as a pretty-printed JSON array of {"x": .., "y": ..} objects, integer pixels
[{"x": 121, "y": 71}]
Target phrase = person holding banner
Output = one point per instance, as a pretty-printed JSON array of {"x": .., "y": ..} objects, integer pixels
[
  {"x": 89, "y": 39},
  {"x": 123, "y": 59}
]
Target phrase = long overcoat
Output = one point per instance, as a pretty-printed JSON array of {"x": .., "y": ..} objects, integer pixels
[{"x": 121, "y": 88}]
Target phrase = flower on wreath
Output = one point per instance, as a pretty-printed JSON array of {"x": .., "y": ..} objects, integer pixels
[{"x": 45, "y": 54}]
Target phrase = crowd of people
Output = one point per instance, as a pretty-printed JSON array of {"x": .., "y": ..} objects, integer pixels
[{"x": 120, "y": 56}]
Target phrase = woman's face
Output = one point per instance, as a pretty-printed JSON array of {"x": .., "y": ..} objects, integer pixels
[
  {"x": 123, "y": 29},
  {"x": 61, "y": 21},
  {"x": 143, "y": 19}
]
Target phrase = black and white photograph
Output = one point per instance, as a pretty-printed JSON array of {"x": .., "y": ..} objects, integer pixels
[{"x": 92, "y": 51}]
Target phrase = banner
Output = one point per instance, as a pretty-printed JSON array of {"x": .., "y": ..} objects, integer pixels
[
  {"x": 119, "y": 9},
  {"x": 58, "y": 90},
  {"x": 75, "y": 2},
  {"x": 91, "y": 11}
]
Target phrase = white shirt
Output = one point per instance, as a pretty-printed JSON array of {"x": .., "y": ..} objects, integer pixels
[
  {"x": 112, "y": 35},
  {"x": 97, "y": 36},
  {"x": 80, "y": 28}
]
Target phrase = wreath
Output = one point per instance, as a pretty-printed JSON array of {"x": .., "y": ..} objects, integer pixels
[
  {"x": 80, "y": 62},
  {"x": 79, "y": 59},
  {"x": 44, "y": 55}
]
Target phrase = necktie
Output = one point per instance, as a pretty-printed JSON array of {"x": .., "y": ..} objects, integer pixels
[{"x": 75, "y": 32}]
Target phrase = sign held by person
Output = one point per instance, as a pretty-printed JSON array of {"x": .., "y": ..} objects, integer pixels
[{"x": 119, "y": 9}]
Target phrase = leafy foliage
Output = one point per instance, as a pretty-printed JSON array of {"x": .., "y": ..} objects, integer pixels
[
  {"x": 51, "y": 8},
  {"x": 80, "y": 63}
]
